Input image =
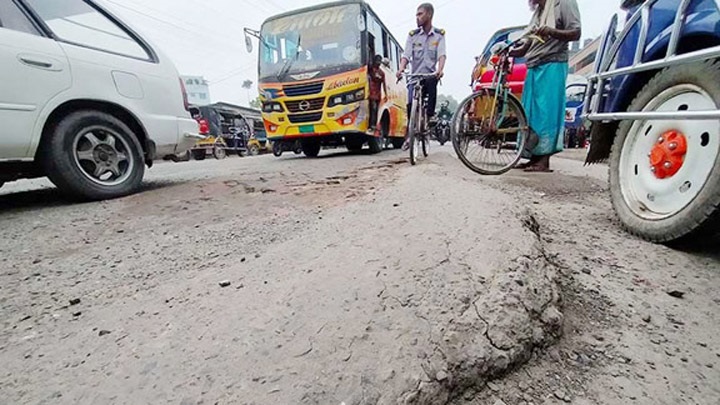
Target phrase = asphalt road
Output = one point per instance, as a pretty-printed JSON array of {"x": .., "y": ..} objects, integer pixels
[{"x": 350, "y": 279}]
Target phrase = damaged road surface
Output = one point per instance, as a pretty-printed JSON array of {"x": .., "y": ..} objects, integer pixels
[{"x": 347, "y": 279}]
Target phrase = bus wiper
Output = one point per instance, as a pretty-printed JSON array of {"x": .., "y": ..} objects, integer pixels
[
  {"x": 289, "y": 62},
  {"x": 285, "y": 69}
]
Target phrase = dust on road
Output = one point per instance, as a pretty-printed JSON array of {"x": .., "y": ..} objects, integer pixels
[{"x": 354, "y": 279}]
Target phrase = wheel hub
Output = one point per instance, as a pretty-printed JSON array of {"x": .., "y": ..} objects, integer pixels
[{"x": 668, "y": 154}]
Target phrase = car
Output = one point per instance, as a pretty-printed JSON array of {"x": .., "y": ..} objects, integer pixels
[
  {"x": 654, "y": 104},
  {"x": 85, "y": 100}
]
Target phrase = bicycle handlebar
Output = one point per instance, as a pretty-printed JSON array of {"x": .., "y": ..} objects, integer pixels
[
  {"x": 508, "y": 46},
  {"x": 411, "y": 76}
]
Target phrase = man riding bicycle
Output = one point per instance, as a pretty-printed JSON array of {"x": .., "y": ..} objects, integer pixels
[{"x": 425, "y": 52}]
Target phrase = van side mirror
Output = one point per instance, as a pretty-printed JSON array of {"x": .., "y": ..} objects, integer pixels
[{"x": 248, "y": 43}]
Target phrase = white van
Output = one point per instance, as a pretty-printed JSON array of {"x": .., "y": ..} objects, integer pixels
[{"x": 84, "y": 100}]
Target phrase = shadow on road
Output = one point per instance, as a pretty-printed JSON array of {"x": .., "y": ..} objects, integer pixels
[
  {"x": 707, "y": 247},
  {"x": 27, "y": 201},
  {"x": 337, "y": 153}
]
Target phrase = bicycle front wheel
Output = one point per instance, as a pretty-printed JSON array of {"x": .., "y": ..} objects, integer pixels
[
  {"x": 414, "y": 132},
  {"x": 424, "y": 141},
  {"x": 489, "y": 132}
]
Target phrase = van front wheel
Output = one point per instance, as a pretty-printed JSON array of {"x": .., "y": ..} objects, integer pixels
[
  {"x": 665, "y": 174},
  {"x": 92, "y": 155}
]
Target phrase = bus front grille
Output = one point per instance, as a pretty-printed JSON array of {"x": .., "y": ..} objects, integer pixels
[
  {"x": 307, "y": 89},
  {"x": 305, "y": 118},
  {"x": 303, "y": 106}
]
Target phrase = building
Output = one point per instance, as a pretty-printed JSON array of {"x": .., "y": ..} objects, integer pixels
[
  {"x": 198, "y": 90},
  {"x": 582, "y": 62}
]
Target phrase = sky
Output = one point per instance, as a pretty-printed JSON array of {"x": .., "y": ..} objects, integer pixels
[{"x": 205, "y": 37}]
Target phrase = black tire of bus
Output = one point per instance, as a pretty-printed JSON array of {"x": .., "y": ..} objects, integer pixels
[
  {"x": 354, "y": 144},
  {"x": 397, "y": 143},
  {"x": 377, "y": 143},
  {"x": 701, "y": 218},
  {"x": 311, "y": 147}
]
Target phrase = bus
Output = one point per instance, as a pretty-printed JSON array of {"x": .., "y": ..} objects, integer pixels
[{"x": 313, "y": 78}]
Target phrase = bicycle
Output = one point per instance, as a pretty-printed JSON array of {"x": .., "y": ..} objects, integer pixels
[
  {"x": 490, "y": 129},
  {"x": 418, "y": 131}
]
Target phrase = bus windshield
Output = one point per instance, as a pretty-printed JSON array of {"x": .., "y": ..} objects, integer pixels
[{"x": 311, "y": 41}]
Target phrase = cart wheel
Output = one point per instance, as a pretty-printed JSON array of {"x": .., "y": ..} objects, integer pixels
[{"x": 219, "y": 152}]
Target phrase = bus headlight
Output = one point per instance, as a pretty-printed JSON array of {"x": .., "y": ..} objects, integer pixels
[
  {"x": 272, "y": 107},
  {"x": 347, "y": 98}
]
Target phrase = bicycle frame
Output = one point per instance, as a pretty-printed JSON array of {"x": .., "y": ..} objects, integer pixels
[
  {"x": 503, "y": 66},
  {"x": 418, "y": 99}
]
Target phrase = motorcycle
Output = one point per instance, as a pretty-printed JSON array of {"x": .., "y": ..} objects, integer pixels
[{"x": 442, "y": 131}]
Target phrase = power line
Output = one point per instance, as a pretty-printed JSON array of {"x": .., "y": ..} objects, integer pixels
[
  {"x": 231, "y": 74},
  {"x": 170, "y": 23},
  {"x": 185, "y": 23}
]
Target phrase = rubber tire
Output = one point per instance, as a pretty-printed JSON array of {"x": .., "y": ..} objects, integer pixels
[
  {"x": 354, "y": 144},
  {"x": 277, "y": 149},
  {"x": 254, "y": 150},
  {"x": 311, "y": 147},
  {"x": 701, "y": 218},
  {"x": 199, "y": 154},
  {"x": 58, "y": 164},
  {"x": 457, "y": 122},
  {"x": 397, "y": 143},
  {"x": 424, "y": 142},
  {"x": 444, "y": 136},
  {"x": 219, "y": 153},
  {"x": 411, "y": 133}
]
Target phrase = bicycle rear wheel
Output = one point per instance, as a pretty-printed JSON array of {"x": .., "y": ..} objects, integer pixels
[{"x": 489, "y": 135}]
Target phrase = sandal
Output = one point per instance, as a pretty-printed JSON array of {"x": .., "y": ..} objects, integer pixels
[
  {"x": 538, "y": 169},
  {"x": 523, "y": 166}
]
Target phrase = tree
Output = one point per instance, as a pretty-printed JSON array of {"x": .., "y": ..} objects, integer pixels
[
  {"x": 256, "y": 103},
  {"x": 450, "y": 99},
  {"x": 247, "y": 85}
]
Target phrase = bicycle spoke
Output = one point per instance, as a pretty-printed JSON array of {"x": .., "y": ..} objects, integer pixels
[{"x": 490, "y": 135}]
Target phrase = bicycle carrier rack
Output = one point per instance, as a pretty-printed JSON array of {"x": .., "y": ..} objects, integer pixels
[{"x": 609, "y": 47}]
